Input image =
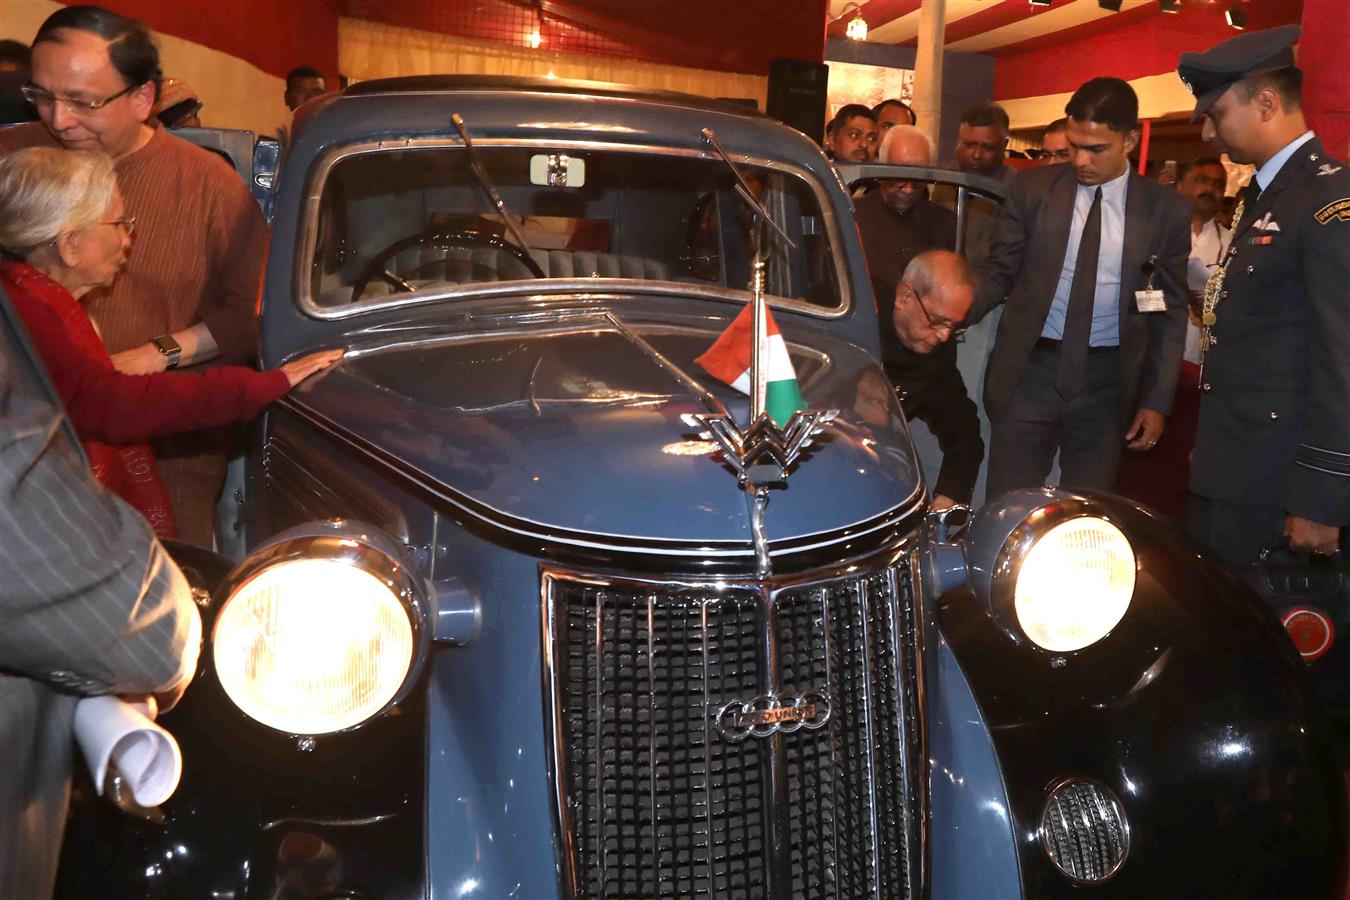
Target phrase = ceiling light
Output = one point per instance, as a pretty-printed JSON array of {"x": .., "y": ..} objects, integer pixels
[
  {"x": 1109, "y": 5},
  {"x": 856, "y": 30},
  {"x": 534, "y": 38},
  {"x": 1040, "y": 2},
  {"x": 1169, "y": 6},
  {"x": 1236, "y": 18}
]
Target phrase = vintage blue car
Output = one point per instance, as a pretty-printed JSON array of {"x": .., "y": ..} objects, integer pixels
[{"x": 532, "y": 606}]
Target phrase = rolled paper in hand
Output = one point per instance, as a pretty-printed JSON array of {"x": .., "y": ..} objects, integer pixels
[{"x": 110, "y": 730}]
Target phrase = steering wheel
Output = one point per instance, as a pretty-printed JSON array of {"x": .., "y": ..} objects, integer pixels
[{"x": 439, "y": 238}]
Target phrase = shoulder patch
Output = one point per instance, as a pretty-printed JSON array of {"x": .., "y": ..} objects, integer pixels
[{"x": 1336, "y": 209}]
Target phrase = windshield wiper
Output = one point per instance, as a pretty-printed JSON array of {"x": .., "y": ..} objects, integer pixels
[
  {"x": 743, "y": 189},
  {"x": 480, "y": 173}
]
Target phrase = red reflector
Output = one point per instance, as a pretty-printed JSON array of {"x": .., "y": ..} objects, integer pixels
[{"x": 1310, "y": 630}]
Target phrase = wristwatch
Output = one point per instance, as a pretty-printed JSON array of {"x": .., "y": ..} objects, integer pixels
[{"x": 170, "y": 349}]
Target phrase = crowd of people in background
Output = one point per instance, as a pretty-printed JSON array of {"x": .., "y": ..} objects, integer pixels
[{"x": 1097, "y": 298}]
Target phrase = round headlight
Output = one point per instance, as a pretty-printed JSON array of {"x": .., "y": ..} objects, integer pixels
[
  {"x": 1074, "y": 584},
  {"x": 314, "y": 645}
]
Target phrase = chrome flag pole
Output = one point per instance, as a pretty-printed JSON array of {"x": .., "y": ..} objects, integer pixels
[{"x": 759, "y": 366}]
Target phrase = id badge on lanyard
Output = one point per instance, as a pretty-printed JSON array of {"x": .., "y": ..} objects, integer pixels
[{"x": 1150, "y": 299}]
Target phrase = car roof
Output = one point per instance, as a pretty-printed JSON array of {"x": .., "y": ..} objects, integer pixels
[{"x": 422, "y": 84}]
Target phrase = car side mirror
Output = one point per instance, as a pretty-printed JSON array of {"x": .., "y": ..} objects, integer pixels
[{"x": 948, "y": 524}]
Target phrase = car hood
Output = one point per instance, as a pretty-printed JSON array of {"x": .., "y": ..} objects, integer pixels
[{"x": 581, "y": 429}]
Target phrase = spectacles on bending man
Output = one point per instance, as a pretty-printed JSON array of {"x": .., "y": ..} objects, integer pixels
[{"x": 955, "y": 330}]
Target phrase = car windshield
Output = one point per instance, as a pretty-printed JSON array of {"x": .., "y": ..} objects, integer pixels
[{"x": 396, "y": 221}]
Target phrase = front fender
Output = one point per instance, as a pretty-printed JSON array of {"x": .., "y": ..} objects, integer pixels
[
  {"x": 1194, "y": 711},
  {"x": 258, "y": 813}
]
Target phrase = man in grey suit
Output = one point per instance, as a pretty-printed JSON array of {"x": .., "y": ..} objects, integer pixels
[
  {"x": 1090, "y": 260},
  {"x": 89, "y": 604}
]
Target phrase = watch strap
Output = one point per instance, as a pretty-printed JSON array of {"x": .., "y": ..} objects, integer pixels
[{"x": 170, "y": 349}]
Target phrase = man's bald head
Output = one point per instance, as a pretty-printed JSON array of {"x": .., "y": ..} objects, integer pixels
[
  {"x": 905, "y": 145},
  {"x": 933, "y": 299}
]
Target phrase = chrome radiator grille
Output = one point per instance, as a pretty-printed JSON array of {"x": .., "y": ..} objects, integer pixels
[{"x": 657, "y": 800}]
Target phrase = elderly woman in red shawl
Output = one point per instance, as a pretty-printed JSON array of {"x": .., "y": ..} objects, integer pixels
[{"x": 64, "y": 232}]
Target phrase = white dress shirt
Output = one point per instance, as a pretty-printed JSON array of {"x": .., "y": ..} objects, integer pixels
[{"x": 1106, "y": 301}]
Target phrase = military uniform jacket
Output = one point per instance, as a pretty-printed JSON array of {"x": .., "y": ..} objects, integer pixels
[{"x": 1274, "y": 423}]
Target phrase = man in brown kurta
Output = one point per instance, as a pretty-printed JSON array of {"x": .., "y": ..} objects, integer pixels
[{"x": 192, "y": 276}]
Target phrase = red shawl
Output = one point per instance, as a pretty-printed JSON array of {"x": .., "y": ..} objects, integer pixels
[{"x": 128, "y": 470}]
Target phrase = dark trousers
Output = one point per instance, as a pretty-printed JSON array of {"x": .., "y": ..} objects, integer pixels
[
  {"x": 1235, "y": 532},
  {"x": 1087, "y": 430}
]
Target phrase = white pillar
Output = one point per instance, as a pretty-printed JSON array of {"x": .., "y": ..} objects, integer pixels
[{"x": 928, "y": 68}]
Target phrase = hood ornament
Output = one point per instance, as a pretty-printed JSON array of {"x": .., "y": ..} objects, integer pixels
[{"x": 763, "y": 455}]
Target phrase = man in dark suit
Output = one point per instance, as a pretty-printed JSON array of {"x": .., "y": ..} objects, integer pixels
[
  {"x": 1272, "y": 449},
  {"x": 1090, "y": 259}
]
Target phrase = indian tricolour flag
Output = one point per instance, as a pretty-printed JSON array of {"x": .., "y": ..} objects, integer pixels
[{"x": 729, "y": 359}]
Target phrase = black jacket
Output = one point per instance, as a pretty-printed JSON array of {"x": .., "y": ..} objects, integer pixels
[{"x": 933, "y": 392}]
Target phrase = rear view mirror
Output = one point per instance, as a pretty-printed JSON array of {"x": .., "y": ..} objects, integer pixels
[{"x": 557, "y": 170}]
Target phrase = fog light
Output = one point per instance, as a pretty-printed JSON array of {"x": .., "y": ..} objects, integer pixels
[{"x": 1084, "y": 831}]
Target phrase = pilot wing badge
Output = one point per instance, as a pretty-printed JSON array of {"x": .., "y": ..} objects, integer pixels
[{"x": 730, "y": 360}]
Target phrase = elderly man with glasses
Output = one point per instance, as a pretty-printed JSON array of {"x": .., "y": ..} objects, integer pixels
[
  {"x": 898, "y": 223},
  {"x": 188, "y": 292},
  {"x": 931, "y": 303}
]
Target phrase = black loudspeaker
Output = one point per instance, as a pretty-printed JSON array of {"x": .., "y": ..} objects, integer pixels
[{"x": 797, "y": 90}]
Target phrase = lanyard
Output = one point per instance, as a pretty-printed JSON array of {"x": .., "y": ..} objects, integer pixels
[{"x": 1214, "y": 291}]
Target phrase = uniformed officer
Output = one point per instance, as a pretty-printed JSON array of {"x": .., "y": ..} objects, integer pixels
[{"x": 1272, "y": 450}]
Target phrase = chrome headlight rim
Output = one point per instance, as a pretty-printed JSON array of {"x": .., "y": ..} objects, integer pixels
[
  {"x": 361, "y": 546},
  {"x": 1034, "y": 526}
]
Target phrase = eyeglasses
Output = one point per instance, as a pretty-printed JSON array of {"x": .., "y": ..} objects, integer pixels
[
  {"x": 43, "y": 98},
  {"x": 1055, "y": 154},
  {"x": 127, "y": 224},
  {"x": 955, "y": 331}
]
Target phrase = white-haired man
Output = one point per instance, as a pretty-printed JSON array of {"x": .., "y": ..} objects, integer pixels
[
  {"x": 899, "y": 226},
  {"x": 897, "y": 220}
]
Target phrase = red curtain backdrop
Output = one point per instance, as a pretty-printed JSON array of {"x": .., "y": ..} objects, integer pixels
[
  {"x": 275, "y": 37},
  {"x": 1326, "y": 69},
  {"x": 1142, "y": 42}
]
